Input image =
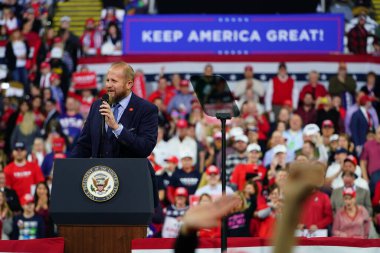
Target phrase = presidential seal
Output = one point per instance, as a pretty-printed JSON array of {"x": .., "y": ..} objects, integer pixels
[{"x": 100, "y": 183}]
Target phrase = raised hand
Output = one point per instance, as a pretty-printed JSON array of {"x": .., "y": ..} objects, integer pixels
[{"x": 208, "y": 215}]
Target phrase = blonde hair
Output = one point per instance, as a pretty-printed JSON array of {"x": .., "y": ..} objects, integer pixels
[
  {"x": 244, "y": 204},
  {"x": 128, "y": 71},
  {"x": 27, "y": 125}
]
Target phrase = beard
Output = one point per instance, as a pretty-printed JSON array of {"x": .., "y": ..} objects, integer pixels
[{"x": 117, "y": 97}]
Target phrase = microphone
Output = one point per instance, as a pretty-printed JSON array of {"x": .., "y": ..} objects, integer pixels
[{"x": 106, "y": 98}]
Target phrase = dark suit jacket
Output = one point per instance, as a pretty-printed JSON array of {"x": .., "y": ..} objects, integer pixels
[
  {"x": 359, "y": 128},
  {"x": 362, "y": 198},
  {"x": 137, "y": 139},
  {"x": 139, "y": 135}
]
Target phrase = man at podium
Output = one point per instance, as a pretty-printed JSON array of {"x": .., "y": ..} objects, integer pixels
[{"x": 130, "y": 124}]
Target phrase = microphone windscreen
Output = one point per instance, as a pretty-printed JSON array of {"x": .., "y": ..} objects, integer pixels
[{"x": 106, "y": 98}]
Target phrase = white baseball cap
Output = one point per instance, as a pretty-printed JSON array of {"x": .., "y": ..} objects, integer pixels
[
  {"x": 310, "y": 129},
  {"x": 186, "y": 153},
  {"x": 279, "y": 149},
  {"x": 253, "y": 147},
  {"x": 334, "y": 137},
  {"x": 242, "y": 138},
  {"x": 236, "y": 131},
  {"x": 65, "y": 19}
]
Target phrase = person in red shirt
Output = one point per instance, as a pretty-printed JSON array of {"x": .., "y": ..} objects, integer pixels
[
  {"x": 313, "y": 87},
  {"x": 91, "y": 39},
  {"x": 316, "y": 212},
  {"x": 306, "y": 109},
  {"x": 268, "y": 213},
  {"x": 281, "y": 88},
  {"x": 20, "y": 174},
  {"x": 248, "y": 170},
  {"x": 163, "y": 91}
]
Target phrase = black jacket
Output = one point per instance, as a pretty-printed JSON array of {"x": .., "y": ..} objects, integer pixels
[{"x": 10, "y": 57}]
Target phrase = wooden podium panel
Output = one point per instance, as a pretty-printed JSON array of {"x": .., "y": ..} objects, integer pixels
[{"x": 100, "y": 238}]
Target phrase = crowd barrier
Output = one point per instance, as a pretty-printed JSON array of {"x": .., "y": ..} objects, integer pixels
[
  {"x": 258, "y": 245},
  {"x": 48, "y": 245},
  {"x": 235, "y": 245}
]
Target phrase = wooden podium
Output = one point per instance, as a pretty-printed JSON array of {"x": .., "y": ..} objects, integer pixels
[
  {"x": 104, "y": 239},
  {"x": 93, "y": 224}
]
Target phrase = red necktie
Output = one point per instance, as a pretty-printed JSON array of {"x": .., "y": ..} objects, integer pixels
[{"x": 369, "y": 121}]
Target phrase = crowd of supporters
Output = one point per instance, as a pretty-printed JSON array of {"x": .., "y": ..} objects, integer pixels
[
  {"x": 278, "y": 124},
  {"x": 337, "y": 125}
]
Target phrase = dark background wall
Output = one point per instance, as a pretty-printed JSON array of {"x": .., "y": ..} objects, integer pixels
[{"x": 236, "y": 6}]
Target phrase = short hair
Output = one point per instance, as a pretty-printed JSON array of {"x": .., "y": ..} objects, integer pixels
[
  {"x": 208, "y": 65},
  {"x": 371, "y": 73},
  {"x": 51, "y": 100},
  {"x": 128, "y": 71},
  {"x": 272, "y": 188},
  {"x": 314, "y": 72}
]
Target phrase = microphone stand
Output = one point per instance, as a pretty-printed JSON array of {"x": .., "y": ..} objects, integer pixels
[{"x": 223, "y": 117}]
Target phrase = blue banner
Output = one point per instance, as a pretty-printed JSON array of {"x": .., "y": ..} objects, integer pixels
[{"x": 233, "y": 34}]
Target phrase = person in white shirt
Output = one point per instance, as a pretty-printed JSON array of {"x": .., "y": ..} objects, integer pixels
[
  {"x": 214, "y": 186},
  {"x": 293, "y": 136},
  {"x": 161, "y": 150},
  {"x": 249, "y": 83},
  {"x": 350, "y": 164},
  {"x": 182, "y": 141}
]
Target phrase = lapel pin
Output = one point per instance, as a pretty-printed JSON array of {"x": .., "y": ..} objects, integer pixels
[{"x": 131, "y": 109}]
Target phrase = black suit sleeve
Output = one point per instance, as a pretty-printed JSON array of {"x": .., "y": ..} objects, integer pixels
[
  {"x": 83, "y": 147},
  {"x": 186, "y": 243},
  {"x": 142, "y": 141}
]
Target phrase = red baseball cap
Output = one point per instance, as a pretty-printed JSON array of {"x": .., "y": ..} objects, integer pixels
[
  {"x": 349, "y": 191},
  {"x": 58, "y": 144},
  {"x": 351, "y": 159},
  {"x": 172, "y": 159},
  {"x": 365, "y": 99},
  {"x": 90, "y": 21},
  {"x": 45, "y": 65},
  {"x": 26, "y": 199},
  {"x": 181, "y": 191},
  {"x": 57, "y": 40},
  {"x": 288, "y": 102},
  {"x": 54, "y": 76},
  {"x": 212, "y": 169},
  {"x": 184, "y": 83},
  {"x": 182, "y": 123},
  {"x": 327, "y": 123}
]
